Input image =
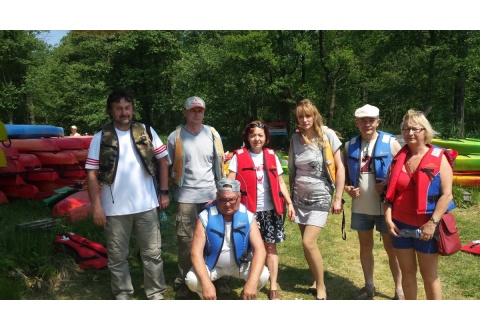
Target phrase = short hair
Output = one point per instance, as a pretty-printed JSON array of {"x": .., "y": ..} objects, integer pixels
[
  {"x": 250, "y": 127},
  {"x": 418, "y": 117},
  {"x": 116, "y": 95}
]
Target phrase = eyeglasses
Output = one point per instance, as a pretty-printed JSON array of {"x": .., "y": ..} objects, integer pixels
[
  {"x": 260, "y": 125},
  {"x": 228, "y": 200},
  {"x": 413, "y": 129}
]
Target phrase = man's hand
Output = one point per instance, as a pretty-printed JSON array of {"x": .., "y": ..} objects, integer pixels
[
  {"x": 208, "y": 291},
  {"x": 249, "y": 291}
]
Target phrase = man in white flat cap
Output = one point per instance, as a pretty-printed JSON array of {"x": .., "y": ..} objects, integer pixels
[
  {"x": 227, "y": 242},
  {"x": 367, "y": 158}
]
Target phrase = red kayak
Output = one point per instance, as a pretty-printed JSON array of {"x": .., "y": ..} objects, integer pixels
[
  {"x": 72, "y": 202},
  {"x": 45, "y": 144},
  {"x": 85, "y": 140},
  {"x": 45, "y": 174},
  {"x": 29, "y": 161},
  {"x": 10, "y": 152},
  {"x": 68, "y": 143},
  {"x": 55, "y": 158},
  {"x": 79, "y": 213},
  {"x": 20, "y": 191},
  {"x": 13, "y": 167}
]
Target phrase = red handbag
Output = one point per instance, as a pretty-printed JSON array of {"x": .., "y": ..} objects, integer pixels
[{"x": 448, "y": 239}]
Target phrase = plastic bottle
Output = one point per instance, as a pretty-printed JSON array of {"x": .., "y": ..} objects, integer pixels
[
  {"x": 163, "y": 220},
  {"x": 410, "y": 233}
]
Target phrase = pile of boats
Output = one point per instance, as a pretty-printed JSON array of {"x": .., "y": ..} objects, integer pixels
[
  {"x": 40, "y": 163},
  {"x": 466, "y": 169}
]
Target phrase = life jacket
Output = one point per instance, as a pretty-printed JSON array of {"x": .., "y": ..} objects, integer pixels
[
  {"x": 215, "y": 232},
  {"x": 178, "y": 166},
  {"x": 426, "y": 178},
  {"x": 381, "y": 157},
  {"x": 246, "y": 175},
  {"x": 327, "y": 155},
  {"x": 109, "y": 150},
  {"x": 87, "y": 253}
]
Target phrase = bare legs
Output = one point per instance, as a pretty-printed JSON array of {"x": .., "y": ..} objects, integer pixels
[
  {"x": 272, "y": 264},
  {"x": 313, "y": 256},
  {"x": 428, "y": 264}
]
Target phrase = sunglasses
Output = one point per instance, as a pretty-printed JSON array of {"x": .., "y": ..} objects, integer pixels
[{"x": 260, "y": 125}]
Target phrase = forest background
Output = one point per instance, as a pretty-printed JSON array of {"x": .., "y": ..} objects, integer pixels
[{"x": 243, "y": 75}]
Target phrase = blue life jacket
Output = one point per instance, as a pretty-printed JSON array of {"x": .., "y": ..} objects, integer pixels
[
  {"x": 214, "y": 226},
  {"x": 381, "y": 157}
]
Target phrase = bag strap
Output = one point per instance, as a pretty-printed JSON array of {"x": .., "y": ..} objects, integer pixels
[{"x": 344, "y": 233}]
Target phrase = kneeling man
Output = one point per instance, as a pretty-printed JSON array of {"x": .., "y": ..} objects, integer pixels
[{"x": 227, "y": 242}]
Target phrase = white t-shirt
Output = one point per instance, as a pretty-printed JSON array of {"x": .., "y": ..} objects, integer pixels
[
  {"x": 227, "y": 256},
  {"x": 369, "y": 200},
  {"x": 133, "y": 190},
  {"x": 264, "y": 195}
]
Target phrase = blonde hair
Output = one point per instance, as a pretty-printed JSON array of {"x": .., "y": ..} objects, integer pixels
[
  {"x": 306, "y": 107},
  {"x": 417, "y": 117}
]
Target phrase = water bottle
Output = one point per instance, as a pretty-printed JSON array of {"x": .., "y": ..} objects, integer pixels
[
  {"x": 163, "y": 219},
  {"x": 410, "y": 233}
]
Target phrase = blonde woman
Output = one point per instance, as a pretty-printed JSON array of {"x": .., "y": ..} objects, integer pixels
[
  {"x": 317, "y": 178},
  {"x": 419, "y": 193}
]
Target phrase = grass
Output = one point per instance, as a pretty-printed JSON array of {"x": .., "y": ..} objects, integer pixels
[{"x": 31, "y": 270}]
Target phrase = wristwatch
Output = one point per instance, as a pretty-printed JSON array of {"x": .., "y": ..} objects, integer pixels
[
  {"x": 163, "y": 192},
  {"x": 435, "y": 221}
]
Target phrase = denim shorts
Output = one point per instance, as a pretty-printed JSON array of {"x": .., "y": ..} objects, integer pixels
[
  {"x": 364, "y": 222},
  {"x": 427, "y": 247}
]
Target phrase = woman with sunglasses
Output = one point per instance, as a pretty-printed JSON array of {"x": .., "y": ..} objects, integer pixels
[
  {"x": 419, "y": 193},
  {"x": 317, "y": 177},
  {"x": 264, "y": 192}
]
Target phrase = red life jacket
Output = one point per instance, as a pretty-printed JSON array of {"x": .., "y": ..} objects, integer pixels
[
  {"x": 87, "y": 253},
  {"x": 247, "y": 176},
  {"x": 426, "y": 178}
]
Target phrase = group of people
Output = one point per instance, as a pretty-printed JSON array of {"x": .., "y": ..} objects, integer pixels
[{"x": 229, "y": 225}]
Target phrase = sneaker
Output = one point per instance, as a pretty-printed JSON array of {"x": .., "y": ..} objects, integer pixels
[
  {"x": 222, "y": 288},
  {"x": 365, "y": 294},
  {"x": 182, "y": 292}
]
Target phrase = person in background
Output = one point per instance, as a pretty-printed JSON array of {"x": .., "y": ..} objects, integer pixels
[
  {"x": 317, "y": 177},
  {"x": 419, "y": 193},
  {"x": 125, "y": 160},
  {"x": 197, "y": 154},
  {"x": 259, "y": 172},
  {"x": 73, "y": 131},
  {"x": 367, "y": 158},
  {"x": 227, "y": 242}
]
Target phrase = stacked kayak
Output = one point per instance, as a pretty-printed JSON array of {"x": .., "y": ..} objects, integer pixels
[
  {"x": 466, "y": 169},
  {"x": 41, "y": 164}
]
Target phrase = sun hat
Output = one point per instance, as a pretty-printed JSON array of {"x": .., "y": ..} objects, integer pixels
[
  {"x": 367, "y": 111},
  {"x": 194, "y": 102},
  {"x": 228, "y": 185}
]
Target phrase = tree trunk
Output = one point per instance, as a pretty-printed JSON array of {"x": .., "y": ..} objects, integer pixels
[{"x": 459, "y": 90}]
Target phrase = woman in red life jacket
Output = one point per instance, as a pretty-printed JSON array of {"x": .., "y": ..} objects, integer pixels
[
  {"x": 317, "y": 178},
  {"x": 264, "y": 192},
  {"x": 419, "y": 193}
]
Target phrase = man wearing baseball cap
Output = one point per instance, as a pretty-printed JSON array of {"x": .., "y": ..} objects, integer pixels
[
  {"x": 367, "y": 158},
  {"x": 197, "y": 157},
  {"x": 227, "y": 242}
]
